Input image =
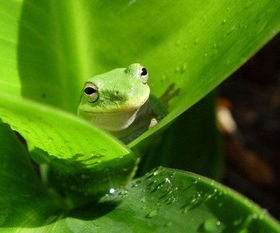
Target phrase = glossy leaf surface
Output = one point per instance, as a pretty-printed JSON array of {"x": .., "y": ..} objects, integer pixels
[{"x": 165, "y": 200}]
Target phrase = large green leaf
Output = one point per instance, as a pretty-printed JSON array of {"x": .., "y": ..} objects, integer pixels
[
  {"x": 164, "y": 200},
  {"x": 49, "y": 48},
  {"x": 212, "y": 41},
  {"x": 76, "y": 148},
  {"x": 23, "y": 198}
]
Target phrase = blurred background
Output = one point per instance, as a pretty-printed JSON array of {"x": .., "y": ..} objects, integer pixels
[{"x": 248, "y": 116}]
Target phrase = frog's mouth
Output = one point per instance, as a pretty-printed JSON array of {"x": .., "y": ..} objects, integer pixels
[{"x": 113, "y": 120}]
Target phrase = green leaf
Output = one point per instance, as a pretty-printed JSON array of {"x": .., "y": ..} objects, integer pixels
[
  {"x": 23, "y": 198},
  {"x": 191, "y": 143},
  {"x": 49, "y": 48},
  {"x": 165, "y": 200},
  {"x": 75, "y": 146},
  {"x": 197, "y": 44}
]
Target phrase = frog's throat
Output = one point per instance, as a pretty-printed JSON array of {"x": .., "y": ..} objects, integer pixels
[{"x": 113, "y": 121}]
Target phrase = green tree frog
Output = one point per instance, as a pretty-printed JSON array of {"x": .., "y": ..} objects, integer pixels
[{"x": 119, "y": 102}]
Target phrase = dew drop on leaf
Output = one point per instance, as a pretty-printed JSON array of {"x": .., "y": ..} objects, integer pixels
[
  {"x": 112, "y": 191},
  {"x": 167, "y": 180},
  {"x": 123, "y": 193},
  {"x": 212, "y": 225}
]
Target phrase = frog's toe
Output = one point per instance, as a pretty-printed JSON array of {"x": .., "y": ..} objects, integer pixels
[{"x": 153, "y": 122}]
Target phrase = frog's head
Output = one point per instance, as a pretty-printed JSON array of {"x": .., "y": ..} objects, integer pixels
[{"x": 111, "y": 100}]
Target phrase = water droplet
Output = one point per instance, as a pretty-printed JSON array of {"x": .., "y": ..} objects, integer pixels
[
  {"x": 134, "y": 185},
  {"x": 212, "y": 225},
  {"x": 112, "y": 191},
  {"x": 152, "y": 214},
  {"x": 155, "y": 173},
  {"x": 195, "y": 201},
  {"x": 195, "y": 181},
  {"x": 123, "y": 193},
  {"x": 224, "y": 21},
  {"x": 167, "y": 180}
]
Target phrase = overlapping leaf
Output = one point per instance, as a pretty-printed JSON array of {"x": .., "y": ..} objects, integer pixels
[
  {"x": 75, "y": 147},
  {"x": 164, "y": 200}
]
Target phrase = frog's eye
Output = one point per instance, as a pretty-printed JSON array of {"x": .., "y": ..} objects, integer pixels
[
  {"x": 91, "y": 92},
  {"x": 144, "y": 75}
]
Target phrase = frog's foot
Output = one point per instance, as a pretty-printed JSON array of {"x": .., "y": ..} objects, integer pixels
[
  {"x": 153, "y": 122},
  {"x": 170, "y": 93}
]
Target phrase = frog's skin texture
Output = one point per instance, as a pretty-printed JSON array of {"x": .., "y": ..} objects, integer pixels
[{"x": 118, "y": 102}]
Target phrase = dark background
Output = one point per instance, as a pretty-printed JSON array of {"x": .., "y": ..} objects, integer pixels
[{"x": 252, "y": 94}]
